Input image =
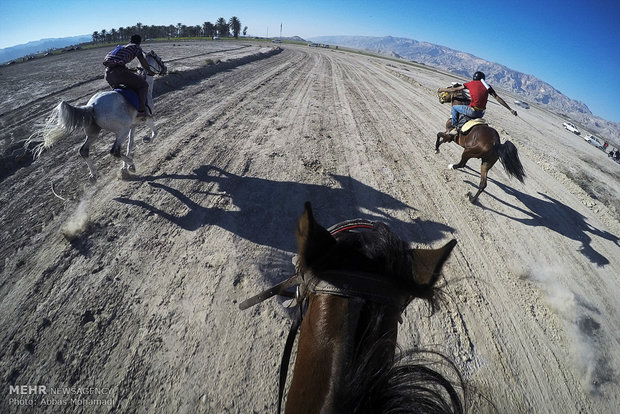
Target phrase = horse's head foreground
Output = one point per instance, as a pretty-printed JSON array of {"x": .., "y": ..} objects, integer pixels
[
  {"x": 354, "y": 280},
  {"x": 359, "y": 277},
  {"x": 371, "y": 249}
]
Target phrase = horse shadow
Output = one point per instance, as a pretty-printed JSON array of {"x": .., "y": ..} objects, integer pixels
[
  {"x": 554, "y": 215},
  {"x": 266, "y": 211}
]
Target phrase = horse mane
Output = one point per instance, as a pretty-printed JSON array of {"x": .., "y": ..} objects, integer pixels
[{"x": 406, "y": 383}]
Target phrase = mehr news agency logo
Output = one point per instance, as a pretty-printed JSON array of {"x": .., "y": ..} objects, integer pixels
[{"x": 41, "y": 395}]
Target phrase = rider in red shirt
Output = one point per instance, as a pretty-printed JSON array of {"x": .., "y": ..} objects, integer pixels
[{"x": 479, "y": 91}]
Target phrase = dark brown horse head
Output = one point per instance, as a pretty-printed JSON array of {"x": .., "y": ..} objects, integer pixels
[
  {"x": 363, "y": 276},
  {"x": 379, "y": 251}
]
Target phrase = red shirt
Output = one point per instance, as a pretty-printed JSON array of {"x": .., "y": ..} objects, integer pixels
[{"x": 479, "y": 94}]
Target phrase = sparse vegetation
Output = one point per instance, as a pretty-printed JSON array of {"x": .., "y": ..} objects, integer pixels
[{"x": 595, "y": 190}]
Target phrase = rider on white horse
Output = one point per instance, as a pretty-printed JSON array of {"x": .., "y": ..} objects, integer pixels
[{"x": 117, "y": 74}]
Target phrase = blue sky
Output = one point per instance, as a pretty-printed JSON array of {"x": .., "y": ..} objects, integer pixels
[{"x": 572, "y": 45}]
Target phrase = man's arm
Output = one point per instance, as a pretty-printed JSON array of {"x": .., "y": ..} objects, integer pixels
[{"x": 502, "y": 102}]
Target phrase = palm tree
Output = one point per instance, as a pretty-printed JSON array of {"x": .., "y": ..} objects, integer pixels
[
  {"x": 102, "y": 35},
  {"x": 222, "y": 27},
  {"x": 95, "y": 36},
  {"x": 207, "y": 29},
  {"x": 235, "y": 26}
]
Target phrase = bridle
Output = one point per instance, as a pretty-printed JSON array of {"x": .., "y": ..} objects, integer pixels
[
  {"x": 352, "y": 284},
  {"x": 161, "y": 67}
]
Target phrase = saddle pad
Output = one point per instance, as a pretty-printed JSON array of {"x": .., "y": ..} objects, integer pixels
[
  {"x": 131, "y": 97},
  {"x": 471, "y": 123}
]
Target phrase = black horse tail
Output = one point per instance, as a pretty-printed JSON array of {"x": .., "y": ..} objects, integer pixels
[{"x": 509, "y": 156}]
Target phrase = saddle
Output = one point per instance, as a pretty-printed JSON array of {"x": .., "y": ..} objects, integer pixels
[
  {"x": 466, "y": 123},
  {"x": 130, "y": 95},
  {"x": 472, "y": 123}
]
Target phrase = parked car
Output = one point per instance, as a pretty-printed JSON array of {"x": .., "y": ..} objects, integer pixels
[
  {"x": 572, "y": 128},
  {"x": 591, "y": 139},
  {"x": 522, "y": 104}
]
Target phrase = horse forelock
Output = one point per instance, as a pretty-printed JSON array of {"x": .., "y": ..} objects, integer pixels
[{"x": 377, "y": 250}]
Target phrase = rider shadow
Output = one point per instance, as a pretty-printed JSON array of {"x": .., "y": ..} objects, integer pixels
[
  {"x": 266, "y": 211},
  {"x": 556, "y": 216}
]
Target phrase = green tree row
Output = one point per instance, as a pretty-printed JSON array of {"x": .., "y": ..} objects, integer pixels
[{"x": 220, "y": 28}]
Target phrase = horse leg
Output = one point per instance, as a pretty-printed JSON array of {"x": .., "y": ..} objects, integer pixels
[
  {"x": 116, "y": 148},
  {"x": 441, "y": 138},
  {"x": 92, "y": 132},
  {"x": 464, "y": 158},
  {"x": 151, "y": 124},
  {"x": 484, "y": 169},
  {"x": 129, "y": 166}
]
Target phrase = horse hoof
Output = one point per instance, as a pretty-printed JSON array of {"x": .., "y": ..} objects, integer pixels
[
  {"x": 92, "y": 179},
  {"x": 450, "y": 166},
  {"x": 436, "y": 150},
  {"x": 132, "y": 168},
  {"x": 146, "y": 139}
]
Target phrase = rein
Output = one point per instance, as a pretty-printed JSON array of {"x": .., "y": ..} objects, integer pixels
[{"x": 370, "y": 286}]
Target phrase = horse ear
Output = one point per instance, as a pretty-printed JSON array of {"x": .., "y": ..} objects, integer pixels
[
  {"x": 312, "y": 239},
  {"x": 427, "y": 263}
]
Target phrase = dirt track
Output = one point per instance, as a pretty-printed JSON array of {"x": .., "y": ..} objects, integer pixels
[{"x": 144, "y": 302}]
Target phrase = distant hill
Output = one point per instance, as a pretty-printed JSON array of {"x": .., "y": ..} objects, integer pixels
[
  {"x": 38, "y": 46},
  {"x": 527, "y": 87}
]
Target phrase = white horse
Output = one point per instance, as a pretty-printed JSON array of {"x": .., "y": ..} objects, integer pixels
[{"x": 105, "y": 110}]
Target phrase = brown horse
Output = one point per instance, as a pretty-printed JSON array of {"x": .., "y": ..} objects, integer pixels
[
  {"x": 356, "y": 278},
  {"x": 481, "y": 141}
]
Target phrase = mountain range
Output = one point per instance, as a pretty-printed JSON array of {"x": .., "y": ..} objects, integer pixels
[
  {"x": 527, "y": 87},
  {"x": 38, "y": 46}
]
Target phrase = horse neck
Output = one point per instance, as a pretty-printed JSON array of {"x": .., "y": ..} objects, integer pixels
[{"x": 335, "y": 335}]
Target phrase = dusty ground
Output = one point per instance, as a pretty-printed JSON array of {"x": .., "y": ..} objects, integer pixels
[{"x": 142, "y": 306}]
